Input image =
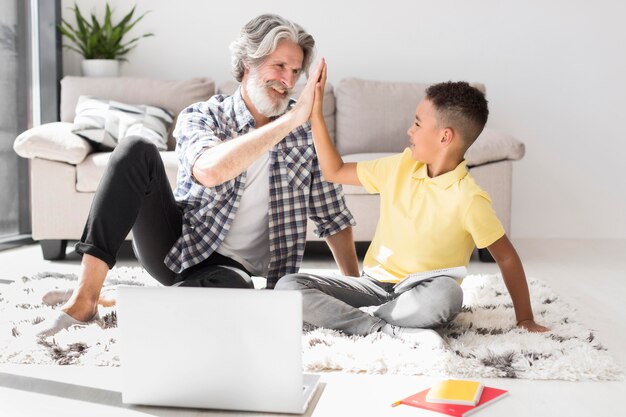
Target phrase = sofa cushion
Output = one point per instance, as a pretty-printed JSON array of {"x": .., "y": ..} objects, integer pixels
[
  {"x": 90, "y": 171},
  {"x": 493, "y": 146},
  {"x": 54, "y": 141},
  {"x": 171, "y": 95},
  {"x": 105, "y": 122},
  {"x": 374, "y": 116},
  {"x": 229, "y": 87}
]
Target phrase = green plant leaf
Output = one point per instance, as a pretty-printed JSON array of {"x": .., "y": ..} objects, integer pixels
[
  {"x": 127, "y": 18},
  {"x": 94, "y": 38},
  {"x": 83, "y": 25}
]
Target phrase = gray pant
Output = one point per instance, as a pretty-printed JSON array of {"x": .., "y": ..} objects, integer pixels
[{"x": 333, "y": 302}]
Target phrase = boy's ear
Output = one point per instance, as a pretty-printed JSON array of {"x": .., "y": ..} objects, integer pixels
[{"x": 447, "y": 136}]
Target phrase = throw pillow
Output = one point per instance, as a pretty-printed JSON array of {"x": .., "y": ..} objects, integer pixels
[
  {"x": 106, "y": 122},
  {"x": 493, "y": 146},
  {"x": 54, "y": 141}
]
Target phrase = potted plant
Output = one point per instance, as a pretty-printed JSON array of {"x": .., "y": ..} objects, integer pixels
[{"x": 101, "y": 43}]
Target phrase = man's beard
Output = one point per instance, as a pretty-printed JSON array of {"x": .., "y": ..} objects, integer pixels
[{"x": 258, "y": 94}]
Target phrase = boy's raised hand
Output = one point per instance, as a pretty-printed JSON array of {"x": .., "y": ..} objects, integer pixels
[
  {"x": 318, "y": 104},
  {"x": 304, "y": 105},
  {"x": 533, "y": 327}
]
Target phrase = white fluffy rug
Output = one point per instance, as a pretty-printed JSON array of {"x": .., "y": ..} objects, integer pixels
[{"x": 483, "y": 339}]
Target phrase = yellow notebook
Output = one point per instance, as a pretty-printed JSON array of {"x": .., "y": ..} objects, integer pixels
[{"x": 455, "y": 391}]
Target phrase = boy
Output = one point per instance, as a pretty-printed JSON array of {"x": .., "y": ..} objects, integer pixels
[{"x": 432, "y": 216}]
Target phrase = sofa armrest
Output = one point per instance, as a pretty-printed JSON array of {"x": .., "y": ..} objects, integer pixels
[
  {"x": 52, "y": 141},
  {"x": 493, "y": 146},
  {"x": 58, "y": 211}
]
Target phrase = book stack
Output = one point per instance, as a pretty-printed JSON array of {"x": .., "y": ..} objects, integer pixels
[{"x": 454, "y": 397}]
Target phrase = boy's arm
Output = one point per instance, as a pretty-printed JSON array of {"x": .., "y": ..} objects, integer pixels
[
  {"x": 513, "y": 273},
  {"x": 333, "y": 167},
  {"x": 341, "y": 245}
]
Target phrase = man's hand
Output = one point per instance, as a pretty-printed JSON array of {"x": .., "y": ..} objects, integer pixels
[
  {"x": 302, "y": 110},
  {"x": 531, "y": 326}
]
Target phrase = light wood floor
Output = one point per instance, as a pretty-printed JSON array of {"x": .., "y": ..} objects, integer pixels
[{"x": 589, "y": 274}]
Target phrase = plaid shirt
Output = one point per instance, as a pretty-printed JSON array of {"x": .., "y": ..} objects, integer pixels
[{"x": 297, "y": 190}]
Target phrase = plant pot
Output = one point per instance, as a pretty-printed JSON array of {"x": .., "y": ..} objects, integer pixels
[{"x": 100, "y": 67}]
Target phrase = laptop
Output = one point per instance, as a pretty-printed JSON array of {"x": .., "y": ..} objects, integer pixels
[{"x": 226, "y": 349}]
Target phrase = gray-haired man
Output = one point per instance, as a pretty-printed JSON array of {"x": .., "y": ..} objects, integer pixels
[{"x": 248, "y": 179}]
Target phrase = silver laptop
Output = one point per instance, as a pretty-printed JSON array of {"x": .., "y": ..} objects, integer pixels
[{"x": 227, "y": 349}]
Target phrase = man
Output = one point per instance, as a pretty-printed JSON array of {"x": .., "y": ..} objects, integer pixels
[{"x": 247, "y": 180}]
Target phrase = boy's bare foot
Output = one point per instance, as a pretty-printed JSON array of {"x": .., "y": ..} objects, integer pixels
[{"x": 427, "y": 338}]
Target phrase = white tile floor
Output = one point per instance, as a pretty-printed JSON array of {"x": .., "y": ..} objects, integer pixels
[{"x": 589, "y": 274}]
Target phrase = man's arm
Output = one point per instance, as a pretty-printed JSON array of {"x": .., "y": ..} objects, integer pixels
[
  {"x": 341, "y": 244},
  {"x": 513, "y": 273},
  {"x": 227, "y": 160},
  {"x": 333, "y": 167}
]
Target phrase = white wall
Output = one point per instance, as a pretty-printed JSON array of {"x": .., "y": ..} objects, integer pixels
[{"x": 555, "y": 73}]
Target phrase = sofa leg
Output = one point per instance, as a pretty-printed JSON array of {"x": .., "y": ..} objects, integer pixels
[
  {"x": 485, "y": 256},
  {"x": 53, "y": 249}
]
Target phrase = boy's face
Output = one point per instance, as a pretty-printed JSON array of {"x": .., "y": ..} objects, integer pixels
[{"x": 424, "y": 134}]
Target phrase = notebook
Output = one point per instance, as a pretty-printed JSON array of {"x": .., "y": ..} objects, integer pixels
[
  {"x": 228, "y": 349},
  {"x": 457, "y": 272},
  {"x": 488, "y": 396},
  {"x": 455, "y": 391}
]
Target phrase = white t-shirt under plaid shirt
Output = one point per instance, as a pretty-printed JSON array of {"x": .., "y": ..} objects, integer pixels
[{"x": 297, "y": 190}]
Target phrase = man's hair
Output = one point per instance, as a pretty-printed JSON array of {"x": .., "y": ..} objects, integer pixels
[
  {"x": 260, "y": 37},
  {"x": 461, "y": 107}
]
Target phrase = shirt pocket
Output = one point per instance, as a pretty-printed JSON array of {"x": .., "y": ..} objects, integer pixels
[
  {"x": 213, "y": 200},
  {"x": 223, "y": 189},
  {"x": 298, "y": 166}
]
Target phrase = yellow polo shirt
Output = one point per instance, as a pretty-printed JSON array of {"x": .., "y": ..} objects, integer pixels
[{"x": 425, "y": 223}]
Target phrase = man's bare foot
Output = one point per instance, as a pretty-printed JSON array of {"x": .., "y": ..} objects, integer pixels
[
  {"x": 108, "y": 297},
  {"x": 81, "y": 305},
  {"x": 54, "y": 297},
  {"x": 57, "y": 322},
  {"x": 84, "y": 312}
]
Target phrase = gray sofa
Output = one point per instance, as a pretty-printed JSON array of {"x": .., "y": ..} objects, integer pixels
[{"x": 368, "y": 119}]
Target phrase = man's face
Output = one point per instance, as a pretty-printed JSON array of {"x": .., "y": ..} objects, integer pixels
[
  {"x": 269, "y": 85},
  {"x": 425, "y": 134}
]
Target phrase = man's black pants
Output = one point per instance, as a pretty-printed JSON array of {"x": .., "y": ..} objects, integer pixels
[{"x": 134, "y": 193}]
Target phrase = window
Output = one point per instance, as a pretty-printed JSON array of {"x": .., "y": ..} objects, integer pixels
[{"x": 30, "y": 53}]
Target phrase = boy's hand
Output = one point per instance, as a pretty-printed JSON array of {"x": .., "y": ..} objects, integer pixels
[
  {"x": 318, "y": 103},
  {"x": 304, "y": 105},
  {"x": 531, "y": 326}
]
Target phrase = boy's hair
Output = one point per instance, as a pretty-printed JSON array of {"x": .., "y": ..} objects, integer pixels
[{"x": 461, "y": 107}]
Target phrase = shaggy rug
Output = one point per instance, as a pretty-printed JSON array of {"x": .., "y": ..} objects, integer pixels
[{"x": 483, "y": 339}]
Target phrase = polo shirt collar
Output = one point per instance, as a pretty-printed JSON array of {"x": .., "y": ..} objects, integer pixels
[{"x": 443, "y": 180}]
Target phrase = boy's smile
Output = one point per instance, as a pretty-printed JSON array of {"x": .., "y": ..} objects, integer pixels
[{"x": 425, "y": 134}]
